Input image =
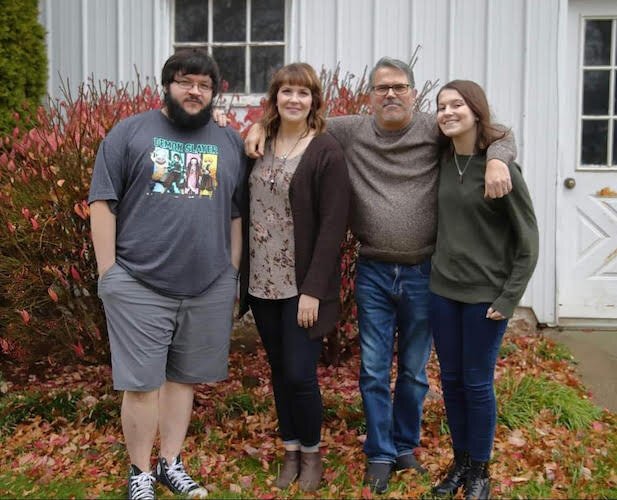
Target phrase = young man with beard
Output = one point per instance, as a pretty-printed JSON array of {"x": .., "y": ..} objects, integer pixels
[{"x": 167, "y": 266}]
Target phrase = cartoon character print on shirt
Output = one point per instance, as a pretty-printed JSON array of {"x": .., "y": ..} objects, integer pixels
[
  {"x": 183, "y": 169},
  {"x": 208, "y": 179},
  {"x": 160, "y": 158}
]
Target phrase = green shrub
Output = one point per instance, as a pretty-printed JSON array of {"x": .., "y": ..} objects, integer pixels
[{"x": 23, "y": 61}]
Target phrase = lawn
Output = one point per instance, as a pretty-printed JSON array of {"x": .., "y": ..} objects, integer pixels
[{"x": 60, "y": 435}]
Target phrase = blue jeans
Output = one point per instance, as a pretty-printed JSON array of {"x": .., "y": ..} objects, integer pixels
[
  {"x": 467, "y": 346},
  {"x": 392, "y": 297}
]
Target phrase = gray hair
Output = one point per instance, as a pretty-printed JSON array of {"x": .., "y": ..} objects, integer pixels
[{"x": 389, "y": 62}]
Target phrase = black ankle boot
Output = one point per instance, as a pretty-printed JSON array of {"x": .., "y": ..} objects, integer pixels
[
  {"x": 456, "y": 476},
  {"x": 478, "y": 483}
]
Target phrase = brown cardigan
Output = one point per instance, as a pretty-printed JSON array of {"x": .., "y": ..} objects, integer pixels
[{"x": 319, "y": 196}]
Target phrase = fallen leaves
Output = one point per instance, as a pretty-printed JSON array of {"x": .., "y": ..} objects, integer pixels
[
  {"x": 237, "y": 453},
  {"x": 516, "y": 439}
]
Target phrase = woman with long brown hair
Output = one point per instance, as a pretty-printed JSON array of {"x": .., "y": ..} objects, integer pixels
[
  {"x": 485, "y": 254},
  {"x": 297, "y": 218}
]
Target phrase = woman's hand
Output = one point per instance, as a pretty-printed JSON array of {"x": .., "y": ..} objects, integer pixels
[
  {"x": 497, "y": 182},
  {"x": 219, "y": 116},
  {"x": 493, "y": 314},
  {"x": 255, "y": 142},
  {"x": 308, "y": 311}
]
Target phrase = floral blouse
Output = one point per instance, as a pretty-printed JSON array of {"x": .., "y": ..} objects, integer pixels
[{"x": 271, "y": 230}]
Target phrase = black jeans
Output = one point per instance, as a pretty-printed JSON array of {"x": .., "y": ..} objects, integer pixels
[{"x": 293, "y": 358}]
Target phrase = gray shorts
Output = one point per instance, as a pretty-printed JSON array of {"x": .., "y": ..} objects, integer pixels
[{"x": 154, "y": 338}]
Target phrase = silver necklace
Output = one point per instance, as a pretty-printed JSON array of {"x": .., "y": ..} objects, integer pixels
[
  {"x": 272, "y": 173},
  {"x": 458, "y": 167}
]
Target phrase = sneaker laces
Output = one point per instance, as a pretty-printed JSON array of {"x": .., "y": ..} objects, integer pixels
[
  {"x": 142, "y": 486},
  {"x": 180, "y": 479}
]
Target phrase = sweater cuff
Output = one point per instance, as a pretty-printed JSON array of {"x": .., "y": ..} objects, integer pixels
[{"x": 504, "y": 306}]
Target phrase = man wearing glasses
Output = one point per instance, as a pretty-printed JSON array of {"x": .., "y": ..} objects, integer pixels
[
  {"x": 393, "y": 157},
  {"x": 167, "y": 264}
]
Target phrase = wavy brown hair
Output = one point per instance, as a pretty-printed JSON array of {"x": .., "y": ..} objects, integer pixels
[
  {"x": 294, "y": 74},
  {"x": 475, "y": 98}
]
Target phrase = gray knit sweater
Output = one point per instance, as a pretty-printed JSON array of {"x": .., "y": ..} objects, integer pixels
[{"x": 394, "y": 177}]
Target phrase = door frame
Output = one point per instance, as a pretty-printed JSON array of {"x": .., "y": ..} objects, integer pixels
[{"x": 569, "y": 104}]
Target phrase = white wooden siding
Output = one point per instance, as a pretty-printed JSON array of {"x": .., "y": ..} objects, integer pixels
[
  {"x": 511, "y": 47},
  {"x": 106, "y": 39}
]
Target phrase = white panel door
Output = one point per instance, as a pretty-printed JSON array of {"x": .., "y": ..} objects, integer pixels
[{"x": 587, "y": 190}]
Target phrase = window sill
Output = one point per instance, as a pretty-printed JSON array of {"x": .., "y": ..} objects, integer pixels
[{"x": 229, "y": 100}]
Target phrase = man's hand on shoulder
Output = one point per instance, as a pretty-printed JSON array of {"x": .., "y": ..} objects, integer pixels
[
  {"x": 255, "y": 142},
  {"x": 497, "y": 181}
]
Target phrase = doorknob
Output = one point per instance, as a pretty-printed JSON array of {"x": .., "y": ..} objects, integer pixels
[{"x": 569, "y": 183}]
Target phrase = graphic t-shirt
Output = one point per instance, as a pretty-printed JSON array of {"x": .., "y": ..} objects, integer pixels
[{"x": 174, "y": 193}]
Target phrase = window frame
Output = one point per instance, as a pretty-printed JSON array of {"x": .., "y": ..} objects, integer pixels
[
  {"x": 611, "y": 117},
  {"x": 245, "y": 98}
]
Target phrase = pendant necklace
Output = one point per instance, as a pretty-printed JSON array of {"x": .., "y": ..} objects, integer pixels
[
  {"x": 272, "y": 173},
  {"x": 458, "y": 168}
]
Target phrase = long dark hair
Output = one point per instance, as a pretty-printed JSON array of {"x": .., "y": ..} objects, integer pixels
[
  {"x": 475, "y": 98},
  {"x": 294, "y": 74}
]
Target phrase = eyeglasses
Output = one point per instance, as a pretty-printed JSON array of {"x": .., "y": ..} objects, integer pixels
[
  {"x": 399, "y": 89},
  {"x": 188, "y": 85}
]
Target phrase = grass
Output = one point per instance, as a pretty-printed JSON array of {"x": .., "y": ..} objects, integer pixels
[
  {"x": 235, "y": 405},
  {"x": 336, "y": 407},
  {"x": 106, "y": 411},
  {"x": 17, "y": 408},
  {"x": 507, "y": 348},
  {"x": 521, "y": 399},
  {"x": 532, "y": 489},
  {"x": 550, "y": 350},
  {"x": 19, "y": 485}
]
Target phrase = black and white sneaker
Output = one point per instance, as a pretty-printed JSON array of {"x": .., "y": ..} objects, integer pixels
[
  {"x": 177, "y": 480},
  {"x": 141, "y": 484}
]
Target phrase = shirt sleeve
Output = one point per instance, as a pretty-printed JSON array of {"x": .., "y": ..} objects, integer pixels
[
  {"x": 503, "y": 149},
  {"x": 520, "y": 210},
  {"x": 108, "y": 178}
]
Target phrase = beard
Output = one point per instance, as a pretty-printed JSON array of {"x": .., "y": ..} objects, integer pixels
[{"x": 177, "y": 114}]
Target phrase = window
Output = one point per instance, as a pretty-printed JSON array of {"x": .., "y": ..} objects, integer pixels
[
  {"x": 598, "y": 137},
  {"x": 246, "y": 38}
]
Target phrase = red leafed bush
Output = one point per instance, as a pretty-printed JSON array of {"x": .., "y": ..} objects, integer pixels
[{"x": 48, "y": 303}]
